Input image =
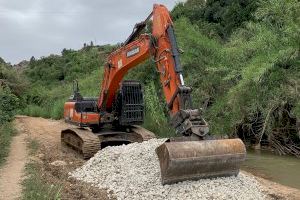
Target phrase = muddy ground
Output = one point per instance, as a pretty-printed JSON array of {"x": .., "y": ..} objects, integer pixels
[{"x": 47, "y": 133}]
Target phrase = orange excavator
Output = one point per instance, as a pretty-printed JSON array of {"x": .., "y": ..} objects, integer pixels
[{"x": 115, "y": 116}]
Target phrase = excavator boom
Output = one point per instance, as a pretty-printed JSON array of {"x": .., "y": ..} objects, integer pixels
[{"x": 162, "y": 46}]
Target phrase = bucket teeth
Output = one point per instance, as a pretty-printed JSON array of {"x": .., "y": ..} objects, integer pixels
[{"x": 192, "y": 160}]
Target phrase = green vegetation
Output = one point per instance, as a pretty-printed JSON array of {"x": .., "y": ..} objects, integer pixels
[
  {"x": 248, "y": 84},
  {"x": 12, "y": 79},
  {"x": 241, "y": 59},
  {"x": 10, "y": 87},
  {"x": 55, "y": 69},
  {"x": 6, "y": 133},
  {"x": 51, "y": 79},
  {"x": 155, "y": 113},
  {"x": 245, "y": 73},
  {"x": 9, "y": 102},
  {"x": 33, "y": 186},
  {"x": 217, "y": 17}
]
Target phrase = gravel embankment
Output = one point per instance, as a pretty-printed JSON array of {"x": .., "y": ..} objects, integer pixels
[{"x": 132, "y": 172}]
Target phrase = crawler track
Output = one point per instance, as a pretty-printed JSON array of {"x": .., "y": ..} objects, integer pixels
[
  {"x": 81, "y": 140},
  {"x": 88, "y": 143}
]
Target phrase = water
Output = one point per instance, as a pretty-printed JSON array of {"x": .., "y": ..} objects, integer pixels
[{"x": 281, "y": 169}]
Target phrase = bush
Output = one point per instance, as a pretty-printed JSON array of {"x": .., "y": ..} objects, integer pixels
[{"x": 8, "y": 104}]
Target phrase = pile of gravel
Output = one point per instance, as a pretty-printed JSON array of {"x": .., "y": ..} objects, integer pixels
[{"x": 132, "y": 172}]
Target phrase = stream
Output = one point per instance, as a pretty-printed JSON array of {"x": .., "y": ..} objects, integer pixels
[{"x": 281, "y": 169}]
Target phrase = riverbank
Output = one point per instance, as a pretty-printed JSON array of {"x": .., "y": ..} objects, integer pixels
[{"x": 276, "y": 190}]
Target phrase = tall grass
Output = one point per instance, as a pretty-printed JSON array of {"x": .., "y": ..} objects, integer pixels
[
  {"x": 54, "y": 111},
  {"x": 160, "y": 129},
  {"x": 155, "y": 119},
  {"x": 36, "y": 111},
  {"x": 6, "y": 133},
  {"x": 57, "y": 110}
]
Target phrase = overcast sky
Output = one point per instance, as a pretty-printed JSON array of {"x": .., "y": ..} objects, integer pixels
[{"x": 41, "y": 27}]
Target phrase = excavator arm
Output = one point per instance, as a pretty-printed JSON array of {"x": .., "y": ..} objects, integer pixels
[
  {"x": 120, "y": 104},
  {"x": 162, "y": 46}
]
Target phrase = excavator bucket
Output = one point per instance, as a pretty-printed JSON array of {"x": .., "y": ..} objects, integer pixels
[{"x": 192, "y": 160}]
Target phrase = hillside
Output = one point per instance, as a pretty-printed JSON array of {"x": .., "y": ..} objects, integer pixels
[{"x": 242, "y": 59}]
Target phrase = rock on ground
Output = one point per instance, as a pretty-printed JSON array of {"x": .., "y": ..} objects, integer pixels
[
  {"x": 132, "y": 172},
  {"x": 58, "y": 163}
]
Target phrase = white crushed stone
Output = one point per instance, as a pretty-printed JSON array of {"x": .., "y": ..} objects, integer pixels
[{"x": 132, "y": 172}]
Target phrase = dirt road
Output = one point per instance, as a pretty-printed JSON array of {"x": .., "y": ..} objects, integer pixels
[
  {"x": 12, "y": 172},
  {"x": 47, "y": 133},
  {"x": 51, "y": 152}
]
